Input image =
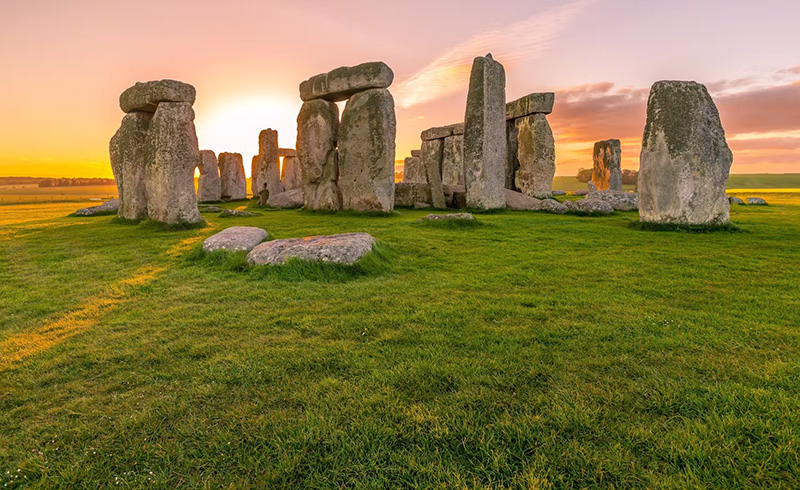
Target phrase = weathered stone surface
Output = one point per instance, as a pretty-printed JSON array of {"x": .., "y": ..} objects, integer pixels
[
  {"x": 432, "y": 154},
  {"x": 366, "y": 151},
  {"x": 453, "y": 216},
  {"x": 685, "y": 159},
  {"x": 231, "y": 174},
  {"x": 317, "y": 133},
  {"x": 536, "y": 151},
  {"x": 413, "y": 170},
  {"x": 209, "y": 185},
  {"x": 287, "y": 152},
  {"x": 522, "y": 202},
  {"x": 235, "y": 239},
  {"x": 453, "y": 160},
  {"x": 512, "y": 160},
  {"x": 607, "y": 165},
  {"x": 210, "y": 209},
  {"x": 756, "y": 201},
  {"x": 580, "y": 192},
  {"x": 409, "y": 194},
  {"x": 290, "y": 173},
  {"x": 109, "y": 207},
  {"x": 267, "y": 165},
  {"x": 416, "y": 153},
  {"x": 170, "y": 174},
  {"x": 559, "y": 193},
  {"x": 343, "y": 82},
  {"x": 735, "y": 200},
  {"x": 619, "y": 200},
  {"x": 455, "y": 196},
  {"x": 589, "y": 205},
  {"x": 346, "y": 248},
  {"x": 485, "y": 135},
  {"x": 145, "y": 97},
  {"x": 442, "y": 132},
  {"x": 130, "y": 153},
  {"x": 288, "y": 199},
  {"x": 237, "y": 213},
  {"x": 539, "y": 103}
]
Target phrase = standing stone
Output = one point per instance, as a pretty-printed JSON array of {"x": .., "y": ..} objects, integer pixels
[
  {"x": 453, "y": 160},
  {"x": 606, "y": 165},
  {"x": 130, "y": 152},
  {"x": 432, "y": 153},
  {"x": 413, "y": 170},
  {"x": 366, "y": 151},
  {"x": 290, "y": 173},
  {"x": 485, "y": 135},
  {"x": 536, "y": 151},
  {"x": 317, "y": 132},
  {"x": 512, "y": 160},
  {"x": 170, "y": 175},
  {"x": 267, "y": 165},
  {"x": 685, "y": 159},
  {"x": 231, "y": 174},
  {"x": 209, "y": 186}
]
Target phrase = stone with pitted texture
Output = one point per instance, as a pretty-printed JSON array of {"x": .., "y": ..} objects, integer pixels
[
  {"x": 145, "y": 96},
  {"x": 317, "y": 133},
  {"x": 409, "y": 194},
  {"x": 485, "y": 135},
  {"x": 288, "y": 199},
  {"x": 619, "y": 200},
  {"x": 735, "y": 200},
  {"x": 432, "y": 153},
  {"x": 540, "y": 103},
  {"x": 209, "y": 185},
  {"x": 685, "y": 159},
  {"x": 442, "y": 132},
  {"x": 521, "y": 202},
  {"x": 290, "y": 173},
  {"x": 606, "y": 165},
  {"x": 130, "y": 154},
  {"x": 413, "y": 170},
  {"x": 346, "y": 248},
  {"x": 756, "y": 201},
  {"x": 171, "y": 196},
  {"x": 536, "y": 152},
  {"x": 442, "y": 217},
  {"x": 266, "y": 173},
  {"x": 231, "y": 174},
  {"x": 453, "y": 160},
  {"x": 589, "y": 206},
  {"x": 340, "y": 84},
  {"x": 109, "y": 207},
  {"x": 235, "y": 239}
]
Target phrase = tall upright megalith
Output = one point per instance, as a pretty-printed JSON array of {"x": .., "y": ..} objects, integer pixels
[
  {"x": 485, "y": 135},
  {"x": 607, "y": 165},
  {"x": 154, "y": 153},
  {"x": 685, "y": 159},
  {"x": 266, "y": 170},
  {"x": 232, "y": 177},
  {"x": 209, "y": 185},
  {"x": 317, "y": 133},
  {"x": 536, "y": 156}
]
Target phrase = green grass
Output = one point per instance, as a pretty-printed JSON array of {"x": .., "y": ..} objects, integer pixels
[
  {"x": 660, "y": 227},
  {"x": 533, "y": 351}
]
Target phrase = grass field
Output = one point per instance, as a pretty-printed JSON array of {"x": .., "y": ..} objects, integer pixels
[{"x": 532, "y": 351}]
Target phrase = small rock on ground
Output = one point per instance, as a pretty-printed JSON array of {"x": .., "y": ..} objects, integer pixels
[
  {"x": 594, "y": 206},
  {"x": 735, "y": 200},
  {"x": 345, "y": 248},
  {"x": 235, "y": 212},
  {"x": 110, "y": 206},
  {"x": 756, "y": 201}
]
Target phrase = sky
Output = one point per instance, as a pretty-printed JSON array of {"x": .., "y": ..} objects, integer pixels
[{"x": 64, "y": 65}]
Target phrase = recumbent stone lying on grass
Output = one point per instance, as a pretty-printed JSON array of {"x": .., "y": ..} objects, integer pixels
[
  {"x": 756, "y": 201},
  {"x": 453, "y": 216},
  {"x": 235, "y": 239},
  {"x": 735, "y": 200},
  {"x": 110, "y": 206},
  {"x": 345, "y": 248}
]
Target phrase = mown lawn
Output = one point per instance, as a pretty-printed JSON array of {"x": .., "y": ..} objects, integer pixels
[{"x": 532, "y": 351}]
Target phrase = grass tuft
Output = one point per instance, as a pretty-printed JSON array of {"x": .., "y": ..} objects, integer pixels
[
  {"x": 150, "y": 224},
  {"x": 587, "y": 214},
  {"x": 647, "y": 226}
]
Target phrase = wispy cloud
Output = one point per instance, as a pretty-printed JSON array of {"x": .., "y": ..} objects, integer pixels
[{"x": 509, "y": 44}]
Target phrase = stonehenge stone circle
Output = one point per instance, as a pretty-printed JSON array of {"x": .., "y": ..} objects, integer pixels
[
  {"x": 685, "y": 159},
  {"x": 154, "y": 153},
  {"x": 607, "y": 165},
  {"x": 485, "y": 135},
  {"x": 266, "y": 169},
  {"x": 235, "y": 239},
  {"x": 346, "y": 248},
  {"x": 342, "y": 83},
  {"x": 366, "y": 151},
  {"x": 231, "y": 174},
  {"x": 536, "y": 156},
  {"x": 317, "y": 134},
  {"x": 432, "y": 152},
  {"x": 209, "y": 185}
]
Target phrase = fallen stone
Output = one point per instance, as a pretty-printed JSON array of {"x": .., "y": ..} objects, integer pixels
[
  {"x": 235, "y": 239},
  {"x": 317, "y": 133},
  {"x": 442, "y": 132},
  {"x": 346, "y": 248},
  {"x": 485, "y": 135},
  {"x": 453, "y": 216},
  {"x": 366, "y": 151},
  {"x": 432, "y": 154},
  {"x": 735, "y": 200},
  {"x": 288, "y": 199},
  {"x": 236, "y": 213},
  {"x": 685, "y": 159},
  {"x": 232, "y": 178},
  {"x": 171, "y": 196},
  {"x": 606, "y": 165},
  {"x": 553, "y": 206},
  {"x": 209, "y": 185},
  {"x": 130, "y": 154},
  {"x": 540, "y": 103},
  {"x": 756, "y": 201},
  {"x": 109, "y": 207},
  {"x": 619, "y": 200},
  {"x": 266, "y": 173},
  {"x": 340, "y": 84},
  {"x": 536, "y": 152},
  {"x": 580, "y": 192},
  {"x": 409, "y": 194},
  {"x": 521, "y": 202},
  {"x": 453, "y": 160},
  {"x": 589, "y": 206},
  {"x": 145, "y": 97},
  {"x": 210, "y": 209}
]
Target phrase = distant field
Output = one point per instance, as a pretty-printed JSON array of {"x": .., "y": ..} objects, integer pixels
[{"x": 740, "y": 182}]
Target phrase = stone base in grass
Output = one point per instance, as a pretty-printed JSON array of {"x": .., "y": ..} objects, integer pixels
[
  {"x": 346, "y": 248},
  {"x": 235, "y": 239}
]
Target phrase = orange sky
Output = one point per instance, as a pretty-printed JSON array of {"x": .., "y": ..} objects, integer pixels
[{"x": 65, "y": 64}]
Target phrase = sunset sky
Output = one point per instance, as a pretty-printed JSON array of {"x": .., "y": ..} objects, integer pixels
[{"x": 64, "y": 64}]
